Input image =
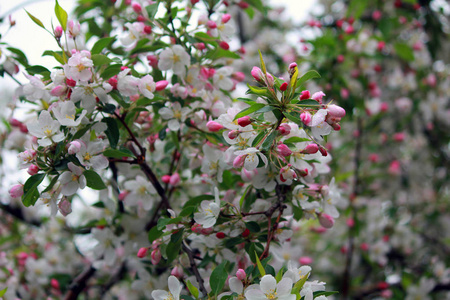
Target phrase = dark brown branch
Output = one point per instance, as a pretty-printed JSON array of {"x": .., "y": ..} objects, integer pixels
[
  {"x": 17, "y": 213},
  {"x": 195, "y": 269},
  {"x": 79, "y": 283},
  {"x": 118, "y": 276}
]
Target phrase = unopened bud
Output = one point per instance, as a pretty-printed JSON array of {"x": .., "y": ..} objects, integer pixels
[
  {"x": 284, "y": 129},
  {"x": 200, "y": 46},
  {"x": 153, "y": 61},
  {"x": 214, "y": 126},
  {"x": 284, "y": 150},
  {"x": 33, "y": 169},
  {"x": 239, "y": 161},
  {"x": 311, "y": 149},
  {"x": 233, "y": 134},
  {"x": 336, "y": 111},
  {"x": 306, "y": 117},
  {"x": 257, "y": 74},
  {"x": 165, "y": 178},
  {"x": 142, "y": 252},
  {"x": 74, "y": 147},
  {"x": 244, "y": 121},
  {"x": 305, "y": 95},
  {"x": 323, "y": 151},
  {"x": 58, "y": 32},
  {"x": 220, "y": 235},
  {"x": 211, "y": 24},
  {"x": 224, "y": 45},
  {"x": 177, "y": 272},
  {"x": 161, "y": 85},
  {"x": 305, "y": 260},
  {"x": 156, "y": 256},
  {"x": 175, "y": 179},
  {"x": 318, "y": 96},
  {"x": 136, "y": 7},
  {"x": 240, "y": 274},
  {"x": 226, "y": 18},
  {"x": 284, "y": 86},
  {"x": 16, "y": 191},
  {"x": 54, "y": 283},
  {"x": 65, "y": 207}
]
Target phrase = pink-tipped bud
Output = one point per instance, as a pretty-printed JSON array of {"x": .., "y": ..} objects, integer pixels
[
  {"x": 15, "y": 123},
  {"x": 193, "y": 2},
  {"x": 323, "y": 151},
  {"x": 349, "y": 29},
  {"x": 381, "y": 45},
  {"x": 175, "y": 179},
  {"x": 284, "y": 150},
  {"x": 220, "y": 235},
  {"x": 244, "y": 121},
  {"x": 226, "y": 18},
  {"x": 70, "y": 82},
  {"x": 326, "y": 220},
  {"x": 177, "y": 272},
  {"x": 306, "y": 117},
  {"x": 165, "y": 178},
  {"x": 58, "y": 91},
  {"x": 376, "y": 15},
  {"x": 200, "y": 46},
  {"x": 340, "y": 58},
  {"x": 156, "y": 256},
  {"x": 123, "y": 195},
  {"x": 214, "y": 126},
  {"x": 318, "y": 96},
  {"x": 364, "y": 247},
  {"x": 336, "y": 111},
  {"x": 238, "y": 76},
  {"x": 54, "y": 283},
  {"x": 350, "y": 222},
  {"x": 58, "y": 32},
  {"x": 16, "y": 191},
  {"x": 240, "y": 274},
  {"x": 153, "y": 61},
  {"x": 74, "y": 147},
  {"x": 142, "y": 252},
  {"x": 161, "y": 85},
  {"x": 243, "y": 5},
  {"x": 305, "y": 260},
  {"x": 257, "y": 74},
  {"x": 292, "y": 68},
  {"x": 136, "y": 7},
  {"x": 65, "y": 207},
  {"x": 33, "y": 169},
  {"x": 233, "y": 134},
  {"x": 148, "y": 29},
  {"x": 270, "y": 80},
  {"x": 239, "y": 161},
  {"x": 284, "y": 129},
  {"x": 284, "y": 86},
  {"x": 311, "y": 149},
  {"x": 305, "y": 95},
  {"x": 211, "y": 24},
  {"x": 224, "y": 45},
  {"x": 74, "y": 28}
]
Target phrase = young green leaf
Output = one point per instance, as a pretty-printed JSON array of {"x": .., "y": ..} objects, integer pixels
[
  {"x": 30, "y": 191},
  {"x": 218, "y": 278},
  {"x": 192, "y": 289},
  {"x": 61, "y": 14},
  {"x": 263, "y": 65},
  {"x": 307, "y": 76},
  {"x": 102, "y": 44},
  {"x": 249, "y": 110},
  {"x": 35, "y": 20},
  {"x": 93, "y": 180},
  {"x": 260, "y": 267}
]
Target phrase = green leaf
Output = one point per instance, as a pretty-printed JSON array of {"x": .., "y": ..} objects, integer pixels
[
  {"x": 356, "y": 8},
  {"x": 192, "y": 289},
  {"x": 253, "y": 226},
  {"x": 404, "y": 51},
  {"x": 256, "y": 90},
  {"x": 307, "y": 103},
  {"x": 220, "y": 53},
  {"x": 244, "y": 195},
  {"x": 93, "y": 180},
  {"x": 250, "y": 12},
  {"x": 263, "y": 65},
  {"x": 35, "y": 20},
  {"x": 218, "y": 278},
  {"x": 307, "y": 76},
  {"x": 269, "y": 141},
  {"x": 151, "y": 10},
  {"x": 323, "y": 293},
  {"x": 20, "y": 56},
  {"x": 197, "y": 200},
  {"x": 61, "y": 14},
  {"x": 293, "y": 118},
  {"x": 56, "y": 54},
  {"x": 112, "y": 132},
  {"x": 298, "y": 212},
  {"x": 118, "y": 153},
  {"x": 296, "y": 139},
  {"x": 154, "y": 234},
  {"x": 100, "y": 59},
  {"x": 204, "y": 37},
  {"x": 163, "y": 222},
  {"x": 110, "y": 71},
  {"x": 249, "y": 110},
  {"x": 258, "y": 4},
  {"x": 102, "y": 44},
  {"x": 3, "y": 292},
  {"x": 260, "y": 267},
  {"x": 32, "y": 70},
  {"x": 52, "y": 183},
  {"x": 30, "y": 191}
]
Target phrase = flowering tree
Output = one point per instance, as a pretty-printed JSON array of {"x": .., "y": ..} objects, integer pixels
[{"x": 194, "y": 185}]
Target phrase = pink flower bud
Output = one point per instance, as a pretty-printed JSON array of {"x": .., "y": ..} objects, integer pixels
[
  {"x": 292, "y": 66},
  {"x": 142, "y": 252},
  {"x": 214, "y": 126},
  {"x": 148, "y": 29},
  {"x": 54, "y": 283},
  {"x": 374, "y": 157},
  {"x": 15, "y": 123},
  {"x": 152, "y": 61},
  {"x": 305, "y": 95},
  {"x": 284, "y": 129},
  {"x": 318, "y": 96},
  {"x": 243, "y": 5},
  {"x": 161, "y": 85},
  {"x": 284, "y": 150},
  {"x": 193, "y": 2},
  {"x": 270, "y": 80},
  {"x": 226, "y": 18},
  {"x": 156, "y": 256},
  {"x": 65, "y": 207},
  {"x": 233, "y": 134},
  {"x": 240, "y": 274},
  {"x": 323, "y": 151},
  {"x": 136, "y": 7},
  {"x": 58, "y": 91},
  {"x": 284, "y": 86},
  {"x": 350, "y": 222},
  {"x": 175, "y": 179},
  {"x": 336, "y": 111},
  {"x": 238, "y": 162},
  {"x": 257, "y": 74},
  {"x": 376, "y": 15},
  {"x": 349, "y": 29},
  {"x": 395, "y": 168},
  {"x": 165, "y": 178},
  {"x": 326, "y": 220},
  {"x": 123, "y": 195},
  {"x": 399, "y": 136},
  {"x": 211, "y": 24},
  {"x": 340, "y": 58},
  {"x": 220, "y": 235},
  {"x": 74, "y": 147},
  {"x": 306, "y": 117},
  {"x": 177, "y": 272},
  {"x": 70, "y": 82},
  {"x": 244, "y": 121},
  {"x": 381, "y": 45},
  {"x": 224, "y": 45},
  {"x": 364, "y": 246},
  {"x": 305, "y": 260},
  {"x": 33, "y": 169},
  {"x": 311, "y": 149},
  {"x": 200, "y": 46},
  {"x": 239, "y": 76},
  {"x": 16, "y": 191},
  {"x": 74, "y": 28},
  {"x": 58, "y": 32}
]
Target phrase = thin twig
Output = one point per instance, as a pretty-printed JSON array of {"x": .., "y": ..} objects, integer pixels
[
  {"x": 79, "y": 283},
  {"x": 195, "y": 269}
]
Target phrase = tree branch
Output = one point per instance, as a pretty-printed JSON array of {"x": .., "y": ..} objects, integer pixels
[
  {"x": 79, "y": 283},
  {"x": 195, "y": 269}
]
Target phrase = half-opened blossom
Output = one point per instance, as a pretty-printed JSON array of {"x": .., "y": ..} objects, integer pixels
[
  {"x": 72, "y": 180},
  {"x": 46, "y": 129},
  {"x": 173, "y": 293},
  {"x": 268, "y": 288},
  {"x": 251, "y": 158},
  {"x": 175, "y": 58},
  {"x": 65, "y": 112}
]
